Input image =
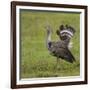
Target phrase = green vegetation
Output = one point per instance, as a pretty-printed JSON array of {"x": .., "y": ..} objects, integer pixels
[{"x": 35, "y": 58}]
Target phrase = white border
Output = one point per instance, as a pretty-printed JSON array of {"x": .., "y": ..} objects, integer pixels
[{"x": 53, "y": 79}]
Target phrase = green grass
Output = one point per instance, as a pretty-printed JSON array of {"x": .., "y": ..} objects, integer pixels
[{"x": 36, "y": 60}]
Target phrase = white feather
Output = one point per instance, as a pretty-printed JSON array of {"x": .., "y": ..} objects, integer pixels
[{"x": 66, "y": 31}]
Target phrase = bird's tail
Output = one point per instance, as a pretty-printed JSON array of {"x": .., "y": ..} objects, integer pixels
[{"x": 65, "y": 32}]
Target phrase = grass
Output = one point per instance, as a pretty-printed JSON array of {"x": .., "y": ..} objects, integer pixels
[{"x": 35, "y": 58}]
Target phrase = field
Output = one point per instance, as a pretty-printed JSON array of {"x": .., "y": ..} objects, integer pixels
[{"x": 35, "y": 59}]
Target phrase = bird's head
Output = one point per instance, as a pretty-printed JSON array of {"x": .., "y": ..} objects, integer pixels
[{"x": 48, "y": 29}]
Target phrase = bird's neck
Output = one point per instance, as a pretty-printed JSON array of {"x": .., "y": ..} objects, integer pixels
[
  {"x": 49, "y": 37},
  {"x": 48, "y": 40}
]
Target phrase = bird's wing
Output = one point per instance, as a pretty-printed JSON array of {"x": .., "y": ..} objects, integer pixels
[
  {"x": 59, "y": 44},
  {"x": 64, "y": 54}
]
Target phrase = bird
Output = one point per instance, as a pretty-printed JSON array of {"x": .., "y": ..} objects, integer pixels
[{"x": 59, "y": 48}]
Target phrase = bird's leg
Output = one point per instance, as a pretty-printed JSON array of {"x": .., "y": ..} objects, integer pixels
[
  {"x": 57, "y": 62},
  {"x": 55, "y": 67},
  {"x": 60, "y": 63}
]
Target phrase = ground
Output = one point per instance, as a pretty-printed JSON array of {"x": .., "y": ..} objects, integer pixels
[{"x": 35, "y": 60}]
